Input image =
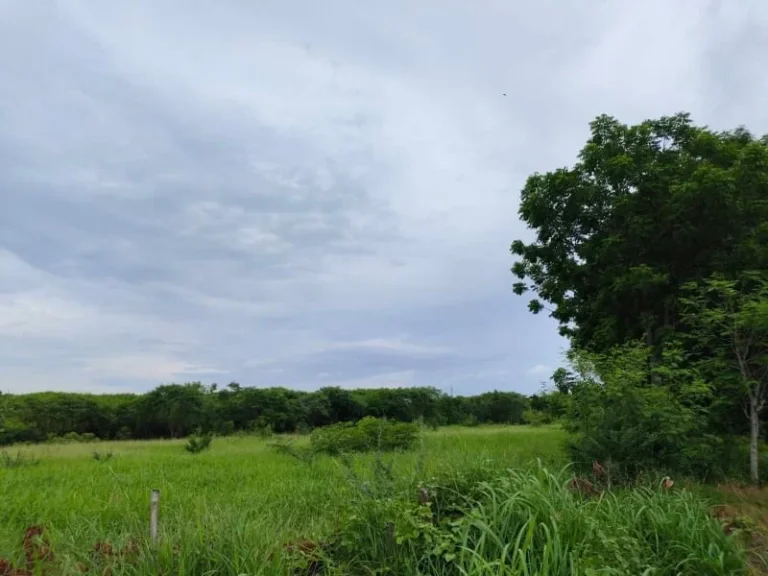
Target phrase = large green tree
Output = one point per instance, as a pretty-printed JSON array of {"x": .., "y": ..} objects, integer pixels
[{"x": 646, "y": 209}]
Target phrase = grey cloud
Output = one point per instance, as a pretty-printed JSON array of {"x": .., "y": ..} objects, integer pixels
[{"x": 312, "y": 194}]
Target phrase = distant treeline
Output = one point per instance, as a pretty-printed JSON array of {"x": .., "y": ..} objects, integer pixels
[{"x": 175, "y": 410}]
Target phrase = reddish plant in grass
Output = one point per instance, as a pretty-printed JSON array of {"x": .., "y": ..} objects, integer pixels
[
  {"x": 309, "y": 553},
  {"x": 102, "y": 550},
  {"x": 39, "y": 555},
  {"x": 598, "y": 469},
  {"x": 36, "y": 550},
  {"x": 6, "y": 567},
  {"x": 36, "y": 546},
  {"x": 583, "y": 486}
]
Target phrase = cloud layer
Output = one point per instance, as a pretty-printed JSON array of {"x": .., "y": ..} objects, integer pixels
[{"x": 309, "y": 194}]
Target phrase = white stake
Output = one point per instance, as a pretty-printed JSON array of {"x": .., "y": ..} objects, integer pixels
[{"x": 153, "y": 506}]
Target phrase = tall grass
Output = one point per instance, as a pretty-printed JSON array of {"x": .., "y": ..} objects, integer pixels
[
  {"x": 243, "y": 508},
  {"x": 528, "y": 522}
]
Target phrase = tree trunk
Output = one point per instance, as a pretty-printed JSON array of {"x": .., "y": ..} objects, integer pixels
[
  {"x": 655, "y": 355},
  {"x": 754, "y": 440}
]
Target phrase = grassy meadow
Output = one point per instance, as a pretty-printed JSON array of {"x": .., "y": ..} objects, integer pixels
[
  {"x": 236, "y": 509},
  {"x": 240, "y": 500}
]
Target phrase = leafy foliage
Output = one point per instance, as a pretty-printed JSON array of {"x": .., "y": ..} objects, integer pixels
[
  {"x": 198, "y": 442},
  {"x": 646, "y": 209},
  {"x": 658, "y": 234},
  {"x": 552, "y": 405},
  {"x": 632, "y": 425},
  {"x": 366, "y": 435},
  {"x": 536, "y": 417},
  {"x": 177, "y": 410},
  {"x": 728, "y": 321},
  {"x": 72, "y": 438},
  {"x": 102, "y": 456}
]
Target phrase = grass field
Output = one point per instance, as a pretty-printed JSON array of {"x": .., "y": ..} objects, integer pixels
[
  {"x": 240, "y": 497},
  {"x": 233, "y": 509}
]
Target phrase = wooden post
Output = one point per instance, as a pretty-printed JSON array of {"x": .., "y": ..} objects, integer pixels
[
  {"x": 390, "y": 539},
  {"x": 154, "y": 504}
]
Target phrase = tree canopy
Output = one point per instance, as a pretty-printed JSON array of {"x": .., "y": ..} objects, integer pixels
[
  {"x": 657, "y": 237},
  {"x": 176, "y": 410},
  {"x": 646, "y": 209}
]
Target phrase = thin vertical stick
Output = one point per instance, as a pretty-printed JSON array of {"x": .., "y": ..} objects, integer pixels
[
  {"x": 154, "y": 504},
  {"x": 390, "y": 539}
]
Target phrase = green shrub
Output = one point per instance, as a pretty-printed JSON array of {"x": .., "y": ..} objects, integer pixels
[
  {"x": 303, "y": 429},
  {"x": 470, "y": 421},
  {"x": 198, "y": 442},
  {"x": 15, "y": 431},
  {"x": 632, "y": 423},
  {"x": 226, "y": 428},
  {"x": 365, "y": 435},
  {"x": 73, "y": 438},
  {"x": 102, "y": 456},
  {"x": 536, "y": 418}
]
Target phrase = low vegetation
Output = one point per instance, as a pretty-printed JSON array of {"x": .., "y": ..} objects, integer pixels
[
  {"x": 483, "y": 500},
  {"x": 198, "y": 442},
  {"x": 366, "y": 435},
  {"x": 16, "y": 460},
  {"x": 532, "y": 521},
  {"x": 102, "y": 456}
]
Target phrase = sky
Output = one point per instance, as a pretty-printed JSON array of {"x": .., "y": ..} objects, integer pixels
[{"x": 306, "y": 194}]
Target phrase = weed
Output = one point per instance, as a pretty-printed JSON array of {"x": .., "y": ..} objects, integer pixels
[
  {"x": 18, "y": 461},
  {"x": 36, "y": 546},
  {"x": 102, "y": 456},
  {"x": 288, "y": 447},
  {"x": 198, "y": 442}
]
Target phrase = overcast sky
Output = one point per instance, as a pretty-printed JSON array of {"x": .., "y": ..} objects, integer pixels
[{"x": 311, "y": 193}]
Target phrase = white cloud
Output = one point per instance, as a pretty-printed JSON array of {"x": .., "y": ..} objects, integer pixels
[
  {"x": 404, "y": 379},
  {"x": 540, "y": 370},
  {"x": 144, "y": 367},
  {"x": 391, "y": 345},
  {"x": 331, "y": 188}
]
